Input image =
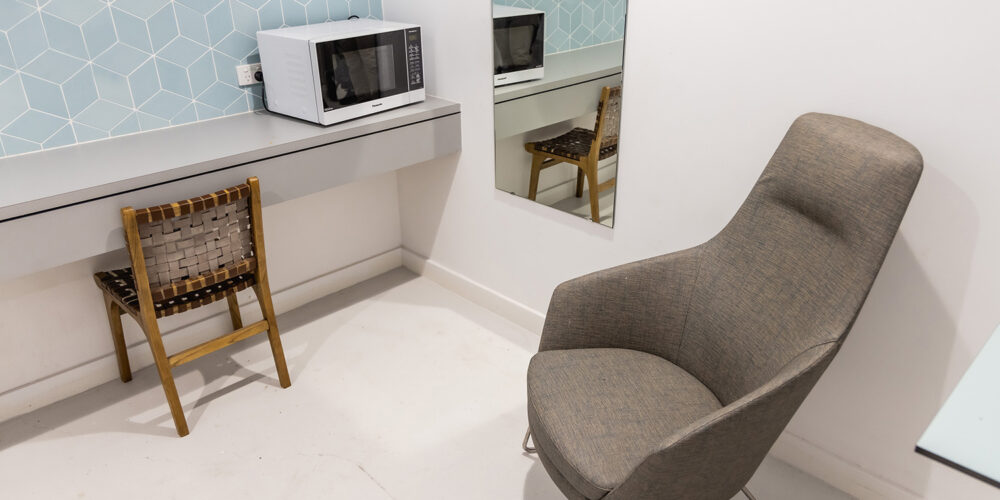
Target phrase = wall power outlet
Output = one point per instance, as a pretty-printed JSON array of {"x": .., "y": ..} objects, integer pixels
[{"x": 245, "y": 74}]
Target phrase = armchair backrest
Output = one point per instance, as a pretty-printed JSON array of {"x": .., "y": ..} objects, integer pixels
[{"x": 794, "y": 266}]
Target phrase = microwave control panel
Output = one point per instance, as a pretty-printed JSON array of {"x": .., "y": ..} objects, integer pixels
[{"x": 414, "y": 59}]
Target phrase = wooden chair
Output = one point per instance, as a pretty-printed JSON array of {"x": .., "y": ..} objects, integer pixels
[
  {"x": 583, "y": 148},
  {"x": 185, "y": 255}
]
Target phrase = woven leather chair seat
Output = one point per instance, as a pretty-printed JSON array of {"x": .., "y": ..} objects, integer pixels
[
  {"x": 121, "y": 284},
  {"x": 575, "y": 144}
]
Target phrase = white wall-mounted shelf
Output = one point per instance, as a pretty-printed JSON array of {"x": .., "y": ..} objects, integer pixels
[{"x": 61, "y": 206}]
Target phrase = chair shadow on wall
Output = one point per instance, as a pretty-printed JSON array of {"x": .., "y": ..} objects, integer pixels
[
  {"x": 888, "y": 381},
  {"x": 147, "y": 412}
]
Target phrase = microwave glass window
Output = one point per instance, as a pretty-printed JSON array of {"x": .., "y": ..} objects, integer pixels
[
  {"x": 364, "y": 73},
  {"x": 513, "y": 47},
  {"x": 517, "y": 43},
  {"x": 361, "y": 69}
]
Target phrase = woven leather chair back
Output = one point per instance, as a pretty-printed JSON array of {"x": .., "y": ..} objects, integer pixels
[
  {"x": 202, "y": 240},
  {"x": 609, "y": 112}
]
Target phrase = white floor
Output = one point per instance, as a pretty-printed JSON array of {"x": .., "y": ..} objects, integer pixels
[{"x": 401, "y": 390}]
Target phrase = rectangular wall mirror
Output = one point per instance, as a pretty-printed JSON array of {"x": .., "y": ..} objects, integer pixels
[{"x": 557, "y": 77}]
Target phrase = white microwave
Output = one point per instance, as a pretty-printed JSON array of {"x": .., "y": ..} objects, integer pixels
[
  {"x": 518, "y": 45},
  {"x": 341, "y": 70}
]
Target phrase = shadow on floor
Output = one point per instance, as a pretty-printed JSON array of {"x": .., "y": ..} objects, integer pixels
[
  {"x": 774, "y": 480},
  {"x": 210, "y": 377},
  {"x": 538, "y": 485}
]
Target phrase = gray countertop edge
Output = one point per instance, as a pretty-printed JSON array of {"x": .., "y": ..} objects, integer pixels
[{"x": 38, "y": 181}]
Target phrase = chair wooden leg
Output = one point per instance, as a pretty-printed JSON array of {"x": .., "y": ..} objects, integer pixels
[
  {"x": 118, "y": 336},
  {"x": 595, "y": 208},
  {"x": 166, "y": 376},
  {"x": 579, "y": 182},
  {"x": 536, "y": 169},
  {"x": 263, "y": 292},
  {"x": 234, "y": 311}
]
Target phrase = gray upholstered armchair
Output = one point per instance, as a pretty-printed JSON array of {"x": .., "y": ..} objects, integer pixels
[{"x": 671, "y": 378}]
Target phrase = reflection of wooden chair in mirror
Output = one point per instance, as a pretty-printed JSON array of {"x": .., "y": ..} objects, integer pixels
[
  {"x": 583, "y": 148},
  {"x": 185, "y": 255}
]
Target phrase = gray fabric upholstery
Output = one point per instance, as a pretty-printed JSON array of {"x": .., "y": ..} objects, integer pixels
[
  {"x": 589, "y": 405},
  {"x": 716, "y": 456},
  {"x": 755, "y": 314}
]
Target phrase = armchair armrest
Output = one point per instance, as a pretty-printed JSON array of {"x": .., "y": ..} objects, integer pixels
[
  {"x": 724, "y": 449},
  {"x": 641, "y": 306}
]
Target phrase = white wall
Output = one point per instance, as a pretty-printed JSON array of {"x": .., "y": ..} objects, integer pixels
[
  {"x": 55, "y": 332},
  {"x": 710, "y": 88}
]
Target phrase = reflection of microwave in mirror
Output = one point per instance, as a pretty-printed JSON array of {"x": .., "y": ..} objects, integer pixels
[{"x": 518, "y": 44}]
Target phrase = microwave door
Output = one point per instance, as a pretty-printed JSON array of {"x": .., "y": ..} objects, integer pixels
[{"x": 361, "y": 69}]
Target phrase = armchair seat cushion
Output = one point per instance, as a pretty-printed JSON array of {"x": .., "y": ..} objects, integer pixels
[{"x": 596, "y": 414}]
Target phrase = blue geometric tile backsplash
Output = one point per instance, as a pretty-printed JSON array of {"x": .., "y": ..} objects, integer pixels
[
  {"x": 81, "y": 70},
  {"x": 574, "y": 24}
]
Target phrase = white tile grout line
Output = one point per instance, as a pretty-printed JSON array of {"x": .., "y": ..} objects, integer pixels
[
  {"x": 69, "y": 117},
  {"x": 62, "y": 92}
]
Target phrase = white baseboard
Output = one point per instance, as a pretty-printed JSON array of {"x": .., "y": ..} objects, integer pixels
[
  {"x": 76, "y": 380},
  {"x": 484, "y": 296},
  {"x": 835, "y": 471}
]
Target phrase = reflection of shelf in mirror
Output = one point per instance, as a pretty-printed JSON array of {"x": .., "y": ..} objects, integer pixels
[
  {"x": 534, "y": 111},
  {"x": 569, "y": 68}
]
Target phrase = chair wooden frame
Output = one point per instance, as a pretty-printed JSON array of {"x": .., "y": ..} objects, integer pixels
[
  {"x": 146, "y": 315},
  {"x": 586, "y": 165}
]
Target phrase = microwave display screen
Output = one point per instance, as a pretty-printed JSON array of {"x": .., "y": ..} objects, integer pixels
[
  {"x": 361, "y": 69},
  {"x": 517, "y": 43}
]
